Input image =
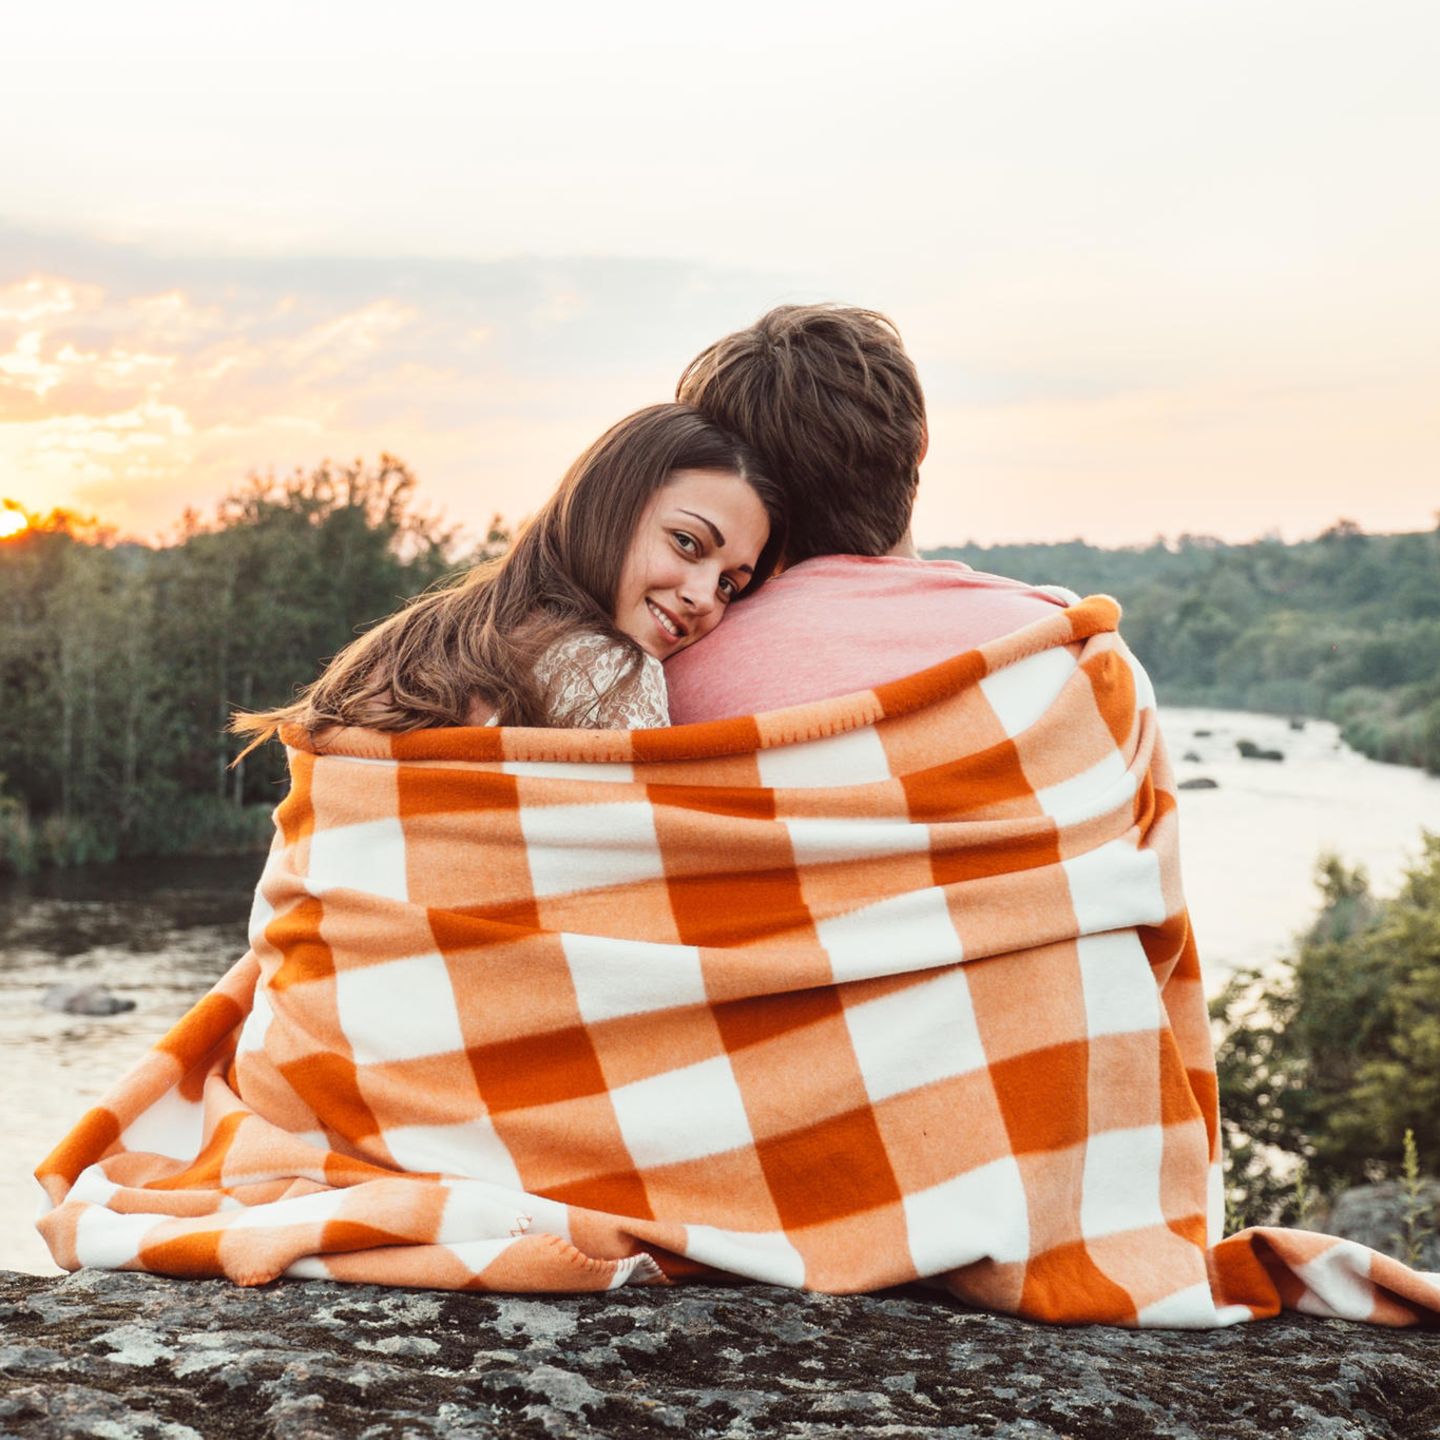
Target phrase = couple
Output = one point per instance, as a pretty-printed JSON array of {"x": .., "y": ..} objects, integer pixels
[
  {"x": 838, "y": 992},
  {"x": 797, "y": 441}
]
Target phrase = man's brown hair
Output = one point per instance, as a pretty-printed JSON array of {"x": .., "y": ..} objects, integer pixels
[{"x": 830, "y": 403}]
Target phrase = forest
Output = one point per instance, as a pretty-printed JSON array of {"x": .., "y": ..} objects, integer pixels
[
  {"x": 120, "y": 663},
  {"x": 1345, "y": 627}
]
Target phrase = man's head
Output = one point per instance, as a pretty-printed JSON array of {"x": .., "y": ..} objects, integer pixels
[{"x": 830, "y": 402}]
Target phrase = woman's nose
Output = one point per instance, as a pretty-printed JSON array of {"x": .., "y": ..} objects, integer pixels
[{"x": 698, "y": 593}]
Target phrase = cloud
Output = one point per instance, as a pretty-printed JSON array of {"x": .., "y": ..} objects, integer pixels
[{"x": 135, "y": 383}]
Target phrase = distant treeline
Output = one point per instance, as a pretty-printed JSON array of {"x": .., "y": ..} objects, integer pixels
[
  {"x": 1345, "y": 627},
  {"x": 120, "y": 663}
]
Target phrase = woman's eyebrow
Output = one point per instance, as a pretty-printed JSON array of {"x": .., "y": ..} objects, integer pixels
[
  {"x": 710, "y": 525},
  {"x": 715, "y": 534}
]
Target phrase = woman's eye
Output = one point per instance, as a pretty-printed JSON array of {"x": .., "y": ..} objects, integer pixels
[
  {"x": 728, "y": 588},
  {"x": 688, "y": 543}
]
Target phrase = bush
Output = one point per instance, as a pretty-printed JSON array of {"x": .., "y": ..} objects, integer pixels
[{"x": 1329, "y": 1063}]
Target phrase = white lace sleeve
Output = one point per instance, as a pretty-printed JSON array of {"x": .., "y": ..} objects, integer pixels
[{"x": 581, "y": 679}]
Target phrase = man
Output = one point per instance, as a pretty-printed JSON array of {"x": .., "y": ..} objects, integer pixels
[{"x": 830, "y": 402}]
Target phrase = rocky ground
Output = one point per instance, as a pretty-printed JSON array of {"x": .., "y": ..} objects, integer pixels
[{"x": 122, "y": 1356}]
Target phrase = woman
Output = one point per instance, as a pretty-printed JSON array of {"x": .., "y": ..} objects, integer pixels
[{"x": 655, "y": 529}]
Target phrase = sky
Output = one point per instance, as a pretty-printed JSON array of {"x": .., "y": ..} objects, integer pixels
[{"x": 1165, "y": 267}]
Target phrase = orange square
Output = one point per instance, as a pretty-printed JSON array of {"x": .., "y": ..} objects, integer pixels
[
  {"x": 829, "y": 1170},
  {"x": 1029, "y": 1000},
  {"x": 866, "y": 1249},
  {"x": 728, "y": 1190},
  {"x": 537, "y": 1069},
  {"x": 709, "y": 909},
  {"x": 1044, "y": 1097},
  {"x": 304, "y": 953},
  {"x": 329, "y": 1087},
  {"x": 424, "y": 790},
  {"x": 1113, "y": 685},
  {"x": 1125, "y": 1081},
  {"x": 636, "y": 1047},
  {"x": 988, "y": 779},
  {"x": 943, "y": 1130},
  {"x": 622, "y": 1192},
  {"x": 763, "y": 1017},
  {"x": 516, "y": 988},
  {"x": 553, "y": 1145},
  {"x": 810, "y": 1073},
  {"x": 1065, "y": 1284},
  {"x": 431, "y": 1090}
]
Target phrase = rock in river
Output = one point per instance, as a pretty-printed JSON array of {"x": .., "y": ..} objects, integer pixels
[
  {"x": 135, "y": 1356},
  {"x": 85, "y": 1000}
]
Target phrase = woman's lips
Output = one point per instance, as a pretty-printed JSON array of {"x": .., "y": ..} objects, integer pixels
[{"x": 667, "y": 624}]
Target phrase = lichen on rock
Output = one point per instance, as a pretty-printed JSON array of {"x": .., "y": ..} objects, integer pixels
[{"x": 139, "y": 1357}]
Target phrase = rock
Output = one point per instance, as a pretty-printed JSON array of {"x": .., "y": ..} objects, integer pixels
[
  {"x": 1202, "y": 734},
  {"x": 1193, "y": 756},
  {"x": 125, "y": 1355},
  {"x": 1377, "y": 1215},
  {"x": 1249, "y": 750},
  {"x": 85, "y": 1000},
  {"x": 1296, "y": 723},
  {"x": 1200, "y": 782}
]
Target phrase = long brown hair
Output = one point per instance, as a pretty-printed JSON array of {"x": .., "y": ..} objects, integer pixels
[
  {"x": 480, "y": 636},
  {"x": 830, "y": 403}
]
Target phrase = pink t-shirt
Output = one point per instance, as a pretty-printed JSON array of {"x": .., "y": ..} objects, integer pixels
[{"x": 841, "y": 623}]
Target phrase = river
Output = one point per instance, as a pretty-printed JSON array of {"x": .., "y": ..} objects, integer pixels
[{"x": 159, "y": 933}]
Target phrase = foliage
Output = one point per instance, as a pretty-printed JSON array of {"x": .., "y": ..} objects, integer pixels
[
  {"x": 1346, "y": 626},
  {"x": 1336, "y": 1059},
  {"x": 120, "y": 664}
]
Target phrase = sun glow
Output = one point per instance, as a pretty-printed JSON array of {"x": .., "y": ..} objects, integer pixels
[{"x": 13, "y": 520}]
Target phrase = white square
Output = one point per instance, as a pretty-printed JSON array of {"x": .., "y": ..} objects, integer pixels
[
  {"x": 572, "y": 848},
  {"x": 1215, "y": 1204},
  {"x": 631, "y": 977},
  {"x": 856, "y": 757},
  {"x": 1115, "y": 886},
  {"x": 979, "y": 1215},
  {"x": 1339, "y": 1282},
  {"x": 1192, "y": 1308},
  {"x": 369, "y": 857},
  {"x": 1120, "y": 993},
  {"x": 912, "y": 931},
  {"x": 257, "y": 1022},
  {"x": 1121, "y": 1187},
  {"x": 1104, "y": 787},
  {"x": 821, "y": 842},
  {"x": 682, "y": 1114},
  {"x": 401, "y": 1010},
  {"x": 916, "y": 1036},
  {"x": 763, "y": 1255},
  {"x": 471, "y": 1150},
  {"x": 170, "y": 1125},
  {"x": 107, "y": 1239},
  {"x": 1021, "y": 693},
  {"x": 262, "y": 912}
]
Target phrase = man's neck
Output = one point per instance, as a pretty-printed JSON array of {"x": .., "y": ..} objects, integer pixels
[{"x": 904, "y": 547}]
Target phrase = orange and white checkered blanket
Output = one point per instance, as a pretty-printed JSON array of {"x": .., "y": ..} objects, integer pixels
[{"x": 894, "y": 986}]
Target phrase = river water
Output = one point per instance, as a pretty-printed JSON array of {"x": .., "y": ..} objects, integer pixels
[{"x": 160, "y": 933}]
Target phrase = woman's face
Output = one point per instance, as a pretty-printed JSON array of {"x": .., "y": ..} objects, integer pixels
[{"x": 693, "y": 551}]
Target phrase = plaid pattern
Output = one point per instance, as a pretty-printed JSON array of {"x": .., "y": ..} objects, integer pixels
[{"x": 894, "y": 986}]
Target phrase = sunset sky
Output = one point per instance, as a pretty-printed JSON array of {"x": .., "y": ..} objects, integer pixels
[{"x": 1165, "y": 266}]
